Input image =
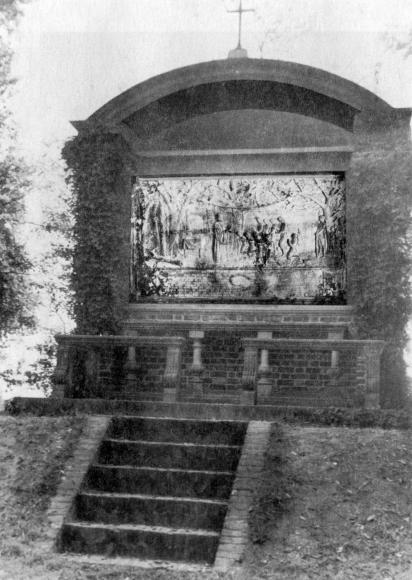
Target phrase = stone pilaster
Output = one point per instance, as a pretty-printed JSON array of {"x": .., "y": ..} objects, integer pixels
[
  {"x": 131, "y": 369},
  {"x": 372, "y": 354},
  {"x": 61, "y": 372},
  {"x": 92, "y": 371},
  {"x": 171, "y": 377},
  {"x": 249, "y": 375}
]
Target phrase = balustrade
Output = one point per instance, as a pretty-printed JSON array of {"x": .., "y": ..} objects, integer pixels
[
  {"x": 366, "y": 357},
  {"x": 92, "y": 346}
]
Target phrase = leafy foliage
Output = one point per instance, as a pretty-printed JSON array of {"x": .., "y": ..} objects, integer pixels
[
  {"x": 400, "y": 42},
  {"x": 15, "y": 306},
  {"x": 15, "y": 309},
  {"x": 97, "y": 163},
  {"x": 380, "y": 253},
  {"x": 273, "y": 494}
]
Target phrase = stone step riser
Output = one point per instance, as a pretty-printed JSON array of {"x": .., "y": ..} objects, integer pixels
[
  {"x": 169, "y": 456},
  {"x": 139, "y": 544},
  {"x": 296, "y": 402},
  {"x": 211, "y": 399},
  {"x": 150, "y": 511},
  {"x": 172, "y": 430},
  {"x": 154, "y": 482}
]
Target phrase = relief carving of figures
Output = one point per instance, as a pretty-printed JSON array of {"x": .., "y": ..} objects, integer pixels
[
  {"x": 267, "y": 223},
  {"x": 217, "y": 237},
  {"x": 280, "y": 231},
  {"x": 321, "y": 237}
]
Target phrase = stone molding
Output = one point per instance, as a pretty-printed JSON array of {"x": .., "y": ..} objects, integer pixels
[
  {"x": 306, "y": 159},
  {"x": 235, "y": 315},
  {"x": 282, "y": 309},
  {"x": 117, "y": 340},
  {"x": 314, "y": 344}
]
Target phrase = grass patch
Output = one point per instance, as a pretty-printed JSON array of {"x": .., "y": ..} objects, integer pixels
[
  {"x": 34, "y": 452},
  {"x": 274, "y": 493},
  {"x": 333, "y": 504},
  {"x": 33, "y": 455},
  {"x": 333, "y": 416},
  {"x": 349, "y": 514}
]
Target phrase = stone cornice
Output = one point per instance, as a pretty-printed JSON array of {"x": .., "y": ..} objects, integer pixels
[
  {"x": 117, "y": 340},
  {"x": 313, "y": 344}
]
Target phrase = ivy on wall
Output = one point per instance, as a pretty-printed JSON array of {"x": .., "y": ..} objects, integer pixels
[
  {"x": 97, "y": 162},
  {"x": 380, "y": 253}
]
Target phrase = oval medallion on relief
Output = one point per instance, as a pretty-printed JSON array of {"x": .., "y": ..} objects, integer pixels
[{"x": 240, "y": 281}]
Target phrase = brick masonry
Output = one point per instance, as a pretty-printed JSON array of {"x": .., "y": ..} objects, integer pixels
[
  {"x": 234, "y": 534},
  {"x": 222, "y": 358},
  {"x": 222, "y": 354},
  {"x": 75, "y": 471},
  {"x": 306, "y": 375}
]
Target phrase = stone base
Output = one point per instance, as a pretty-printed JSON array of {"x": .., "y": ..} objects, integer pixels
[
  {"x": 371, "y": 401},
  {"x": 58, "y": 390},
  {"x": 169, "y": 395},
  {"x": 263, "y": 391},
  {"x": 248, "y": 398}
]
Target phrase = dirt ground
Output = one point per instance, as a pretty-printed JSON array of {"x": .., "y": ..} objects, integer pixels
[{"x": 349, "y": 516}]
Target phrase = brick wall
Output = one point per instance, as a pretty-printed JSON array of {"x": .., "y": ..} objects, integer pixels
[{"x": 293, "y": 373}]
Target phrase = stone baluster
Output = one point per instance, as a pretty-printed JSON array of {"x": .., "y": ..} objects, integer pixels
[
  {"x": 196, "y": 369},
  {"x": 249, "y": 375},
  {"x": 171, "y": 376},
  {"x": 264, "y": 382}
]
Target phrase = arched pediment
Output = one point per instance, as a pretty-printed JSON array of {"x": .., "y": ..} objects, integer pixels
[{"x": 236, "y": 84}]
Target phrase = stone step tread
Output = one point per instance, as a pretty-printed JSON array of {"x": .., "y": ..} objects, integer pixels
[
  {"x": 300, "y": 402},
  {"x": 170, "y": 443},
  {"x": 224, "y": 400},
  {"x": 142, "y": 564},
  {"x": 213, "y": 392},
  {"x": 144, "y": 528},
  {"x": 178, "y": 419},
  {"x": 161, "y": 469},
  {"x": 115, "y": 495}
]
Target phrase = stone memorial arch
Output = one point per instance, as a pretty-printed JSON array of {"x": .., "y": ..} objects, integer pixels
[{"x": 231, "y": 276}]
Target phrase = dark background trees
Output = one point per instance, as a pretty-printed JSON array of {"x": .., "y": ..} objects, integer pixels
[{"x": 15, "y": 292}]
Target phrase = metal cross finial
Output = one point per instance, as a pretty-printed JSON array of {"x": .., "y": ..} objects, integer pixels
[{"x": 240, "y": 11}]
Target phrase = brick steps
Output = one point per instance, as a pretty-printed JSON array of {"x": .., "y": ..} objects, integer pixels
[
  {"x": 166, "y": 454},
  {"x": 143, "y": 541},
  {"x": 160, "y": 481},
  {"x": 158, "y": 489},
  {"x": 170, "y": 430},
  {"x": 195, "y": 410},
  {"x": 166, "y": 511}
]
